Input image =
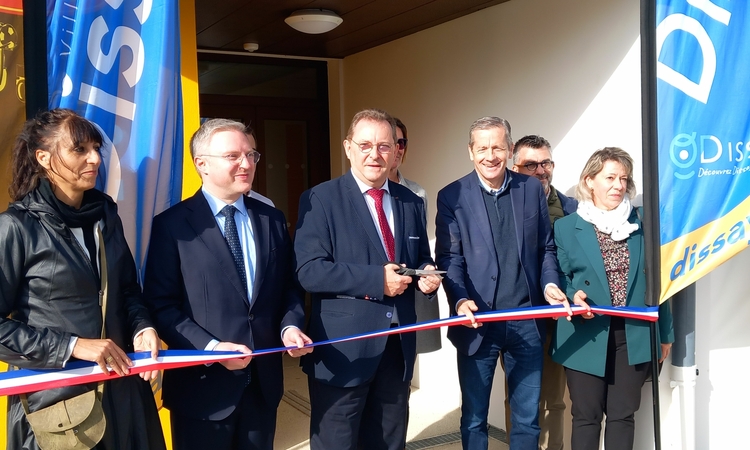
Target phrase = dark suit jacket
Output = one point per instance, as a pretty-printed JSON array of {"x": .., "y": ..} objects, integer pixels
[
  {"x": 569, "y": 205},
  {"x": 465, "y": 248},
  {"x": 581, "y": 344},
  {"x": 340, "y": 261},
  {"x": 196, "y": 295}
]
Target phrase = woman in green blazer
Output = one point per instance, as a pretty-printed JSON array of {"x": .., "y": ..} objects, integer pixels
[{"x": 600, "y": 252}]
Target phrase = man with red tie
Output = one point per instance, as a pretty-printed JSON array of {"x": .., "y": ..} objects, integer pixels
[{"x": 353, "y": 234}]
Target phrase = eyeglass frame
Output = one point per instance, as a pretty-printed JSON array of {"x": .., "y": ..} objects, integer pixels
[
  {"x": 238, "y": 161},
  {"x": 547, "y": 163},
  {"x": 401, "y": 143},
  {"x": 367, "y": 152}
]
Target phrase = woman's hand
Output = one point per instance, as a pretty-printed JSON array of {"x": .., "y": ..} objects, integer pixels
[
  {"x": 555, "y": 296},
  {"x": 580, "y": 299},
  {"x": 145, "y": 341},
  {"x": 103, "y": 352}
]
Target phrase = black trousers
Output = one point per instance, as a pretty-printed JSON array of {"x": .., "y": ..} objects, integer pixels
[
  {"x": 617, "y": 394},
  {"x": 251, "y": 426},
  {"x": 371, "y": 416}
]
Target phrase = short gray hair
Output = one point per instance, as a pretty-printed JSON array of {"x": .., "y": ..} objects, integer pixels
[
  {"x": 531, "y": 141},
  {"x": 487, "y": 123},
  {"x": 595, "y": 164},
  {"x": 202, "y": 138}
]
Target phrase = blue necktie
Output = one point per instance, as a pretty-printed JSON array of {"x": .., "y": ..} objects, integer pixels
[{"x": 233, "y": 240}]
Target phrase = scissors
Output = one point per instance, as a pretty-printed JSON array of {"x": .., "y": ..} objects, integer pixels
[{"x": 415, "y": 272}]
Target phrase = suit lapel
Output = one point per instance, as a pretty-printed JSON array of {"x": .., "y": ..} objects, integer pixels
[
  {"x": 260, "y": 224},
  {"x": 207, "y": 230},
  {"x": 586, "y": 237},
  {"x": 518, "y": 203},
  {"x": 363, "y": 213},
  {"x": 399, "y": 234},
  {"x": 473, "y": 196}
]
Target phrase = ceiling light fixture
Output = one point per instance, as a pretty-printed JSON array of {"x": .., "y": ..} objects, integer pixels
[
  {"x": 250, "y": 46},
  {"x": 313, "y": 21}
]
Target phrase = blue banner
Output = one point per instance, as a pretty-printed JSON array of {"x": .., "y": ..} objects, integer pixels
[
  {"x": 117, "y": 62},
  {"x": 703, "y": 49}
]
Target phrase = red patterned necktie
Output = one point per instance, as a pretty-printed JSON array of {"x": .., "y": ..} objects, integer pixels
[{"x": 385, "y": 229}]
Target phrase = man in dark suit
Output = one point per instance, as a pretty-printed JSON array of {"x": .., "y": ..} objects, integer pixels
[
  {"x": 532, "y": 155},
  {"x": 220, "y": 276},
  {"x": 493, "y": 236},
  {"x": 350, "y": 231}
]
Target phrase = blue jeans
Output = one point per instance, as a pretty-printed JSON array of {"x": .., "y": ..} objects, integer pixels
[{"x": 521, "y": 348}]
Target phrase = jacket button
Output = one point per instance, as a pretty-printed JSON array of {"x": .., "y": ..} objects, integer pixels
[
  {"x": 494, "y": 278},
  {"x": 586, "y": 282},
  {"x": 251, "y": 317},
  {"x": 389, "y": 314}
]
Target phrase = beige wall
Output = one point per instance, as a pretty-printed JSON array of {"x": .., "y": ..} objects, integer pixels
[{"x": 570, "y": 71}]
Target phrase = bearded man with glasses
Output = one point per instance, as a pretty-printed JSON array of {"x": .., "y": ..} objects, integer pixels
[{"x": 532, "y": 155}]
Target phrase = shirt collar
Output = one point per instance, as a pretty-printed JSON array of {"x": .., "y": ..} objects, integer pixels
[
  {"x": 363, "y": 188},
  {"x": 502, "y": 189},
  {"x": 217, "y": 205}
]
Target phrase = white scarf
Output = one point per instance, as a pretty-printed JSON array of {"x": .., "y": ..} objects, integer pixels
[{"x": 614, "y": 222}]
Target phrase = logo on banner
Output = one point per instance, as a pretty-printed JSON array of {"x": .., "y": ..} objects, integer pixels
[
  {"x": 709, "y": 245},
  {"x": 685, "y": 149}
]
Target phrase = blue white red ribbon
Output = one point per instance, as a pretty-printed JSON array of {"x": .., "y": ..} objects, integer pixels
[{"x": 82, "y": 372}]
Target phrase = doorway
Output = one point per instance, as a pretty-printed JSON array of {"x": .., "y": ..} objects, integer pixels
[{"x": 286, "y": 103}]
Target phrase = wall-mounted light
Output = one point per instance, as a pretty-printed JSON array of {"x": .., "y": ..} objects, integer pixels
[{"x": 313, "y": 21}]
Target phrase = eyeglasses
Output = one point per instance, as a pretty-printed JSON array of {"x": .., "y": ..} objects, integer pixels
[
  {"x": 237, "y": 158},
  {"x": 365, "y": 147},
  {"x": 546, "y": 164},
  {"x": 401, "y": 143}
]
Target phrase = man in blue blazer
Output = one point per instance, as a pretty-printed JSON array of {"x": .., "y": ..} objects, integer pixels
[
  {"x": 493, "y": 237},
  {"x": 350, "y": 231},
  {"x": 220, "y": 276}
]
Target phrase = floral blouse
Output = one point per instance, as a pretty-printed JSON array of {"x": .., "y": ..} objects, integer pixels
[{"x": 616, "y": 264}]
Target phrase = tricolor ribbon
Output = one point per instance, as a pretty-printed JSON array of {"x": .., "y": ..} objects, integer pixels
[{"x": 81, "y": 372}]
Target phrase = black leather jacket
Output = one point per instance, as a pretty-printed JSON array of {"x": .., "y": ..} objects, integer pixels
[{"x": 49, "y": 293}]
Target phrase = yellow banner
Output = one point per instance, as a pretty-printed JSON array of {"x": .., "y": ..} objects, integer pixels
[{"x": 689, "y": 257}]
